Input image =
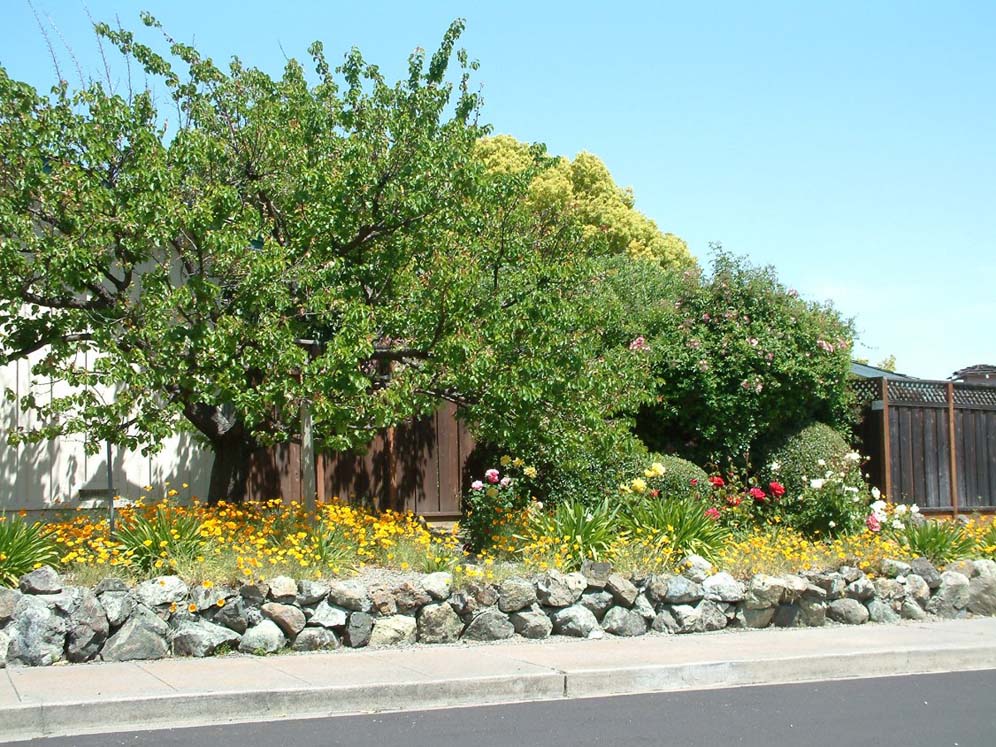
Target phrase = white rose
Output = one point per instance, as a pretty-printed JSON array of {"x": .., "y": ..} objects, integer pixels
[
  {"x": 876, "y": 493},
  {"x": 914, "y": 509},
  {"x": 832, "y": 524},
  {"x": 897, "y": 524},
  {"x": 822, "y": 462},
  {"x": 816, "y": 484}
]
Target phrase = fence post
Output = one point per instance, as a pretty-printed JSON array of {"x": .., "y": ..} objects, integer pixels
[
  {"x": 952, "y": 453},
  {"x": 307, "y": 461},
  {"x": 886, "y": 440}
]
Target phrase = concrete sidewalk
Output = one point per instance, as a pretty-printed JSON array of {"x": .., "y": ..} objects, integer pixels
[{"x": 66, "y": 700}]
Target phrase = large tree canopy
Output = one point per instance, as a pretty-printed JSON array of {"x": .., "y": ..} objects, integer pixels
[{"x": 282, "y": 240}]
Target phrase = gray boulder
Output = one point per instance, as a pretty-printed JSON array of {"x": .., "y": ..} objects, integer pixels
[
  {"x": 143, "y": 636},
  {"x": 764, "y": 591},
  {"x": 42, "y": 580},
  {"x": 4, "y": 646},
  {"x": 982, "y": 595},
  {"x": 515, "y": 594},
  {"x": 985, "y": 567},
  {"x": 232, "y": 615},
  {"x": 881, "y": 612},
  {"x": 349, "y": 594},
  {"x": 327, "y": 615},
  {"x": 696, "y": 568},
  {"x": 689, "y": 619},
  {"x": 890, "y": 590},
  {"x": 37, "y": 633},
  {"x": 644, "y": 608},
  {"x": 161, "y": 591},
  {"x": 206, "y": 596},
  {"x": 964, "y": 567},
  {"x": 917, "y": 589},
  {"x": 438, "y": 623},
  {"x": 473, "y": 598},
  {"x": 895, "y": 568},
  {"x": 264, "y": 638},
  {"x": 598, "y": 602},
  {"x": 624, "y": 622},
  {"x": 282, "y": 589},
  {"x": 382, "y": 600},
  {"x": 109, "y": 584},
  {"x": 531, "y": 623},
  {"x": 722, "y": 587},
  {"x": 394, "y": 630},
  {"x": 926, "y": 570},
  {"x": 118, "y": 606},
  {"x": 438, "y": 585},
  {"x": 88, "y": 628},
  {"x": 787, "y": 616},
  {"x": 311, "y": 592},
  {"x": 682, "y": 590},
  {"x": 795, "y": 587},
  {"x": 713, "y": 614},
  {"x": 748, "y": 617},
  {"x": 357, "y": 632},
  {"x": 8, "y": 602},
  {"x": 622, "y": 590},
  {"x": 254, "y": 595},
  {"x": 554, "y": 589},
  {"x": 410, "y": 597},
  {"x": 201, "y": 638},
  {"x": 813, "y": 607},
  {"x": 847, "y": 611},
  {"x": 665, "y": 622},
  {"x": 490, "y": 625},
  {"x": 315, "y": 639},
  {"x": 910, "y": 610},
  {"x": 288, "y": 618},
  {"x": 951, "y": 596},
  {"x": 574, "y": 621},
  {"x": 596, "y": 573},
  {"x": 860, "y": 589},
  {"x": 850, "y": 573}
]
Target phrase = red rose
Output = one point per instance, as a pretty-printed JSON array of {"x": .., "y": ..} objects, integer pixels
[
  {"x": 733, "y": 500},
  {"x": 712, "y": 513},
  {"x": 757, "y": 494},
  {"x": 777, "y": 489},
  {"x": 716, "y": 481},
  {"x": 694, "y": 481}
]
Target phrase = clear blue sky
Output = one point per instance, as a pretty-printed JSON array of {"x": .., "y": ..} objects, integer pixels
[{"x": 850, "y": 144}]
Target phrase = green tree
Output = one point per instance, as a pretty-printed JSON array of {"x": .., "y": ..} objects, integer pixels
[
  {"x": 585, "y": 188},
  {"x": 282, "y": 241}
]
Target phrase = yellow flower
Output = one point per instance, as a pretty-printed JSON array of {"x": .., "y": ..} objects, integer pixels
[
  {"x": 529, "y": 472},
  {"x": 638, "y": 485},
  {"x": 208, "y": 584},
  {"x": 221, "y": 602},
  {"x": 191, "y": 608},
  {"x": 505, "y": 460}
]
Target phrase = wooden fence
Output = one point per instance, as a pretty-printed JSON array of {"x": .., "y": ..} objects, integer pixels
[
  {"x": 932, "y": 443},
  {"x": 422, "y": 466}
]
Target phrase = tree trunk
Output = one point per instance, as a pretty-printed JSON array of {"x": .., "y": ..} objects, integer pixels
[{"x": 230, "y": 470}]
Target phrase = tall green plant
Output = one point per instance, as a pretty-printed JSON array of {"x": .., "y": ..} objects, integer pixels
[
  {"x": 938, "y": 541},
  {"x": 675, "y": 526},
  {"x": 586, "y": 531},
  {"x": 158, "y": 541},
  {"x": 23, "y": 547}
]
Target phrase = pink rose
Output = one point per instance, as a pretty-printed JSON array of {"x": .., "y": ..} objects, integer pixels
[
  {"x": 492, "y": 476},
  {"x": 757, "y": 494},
  {"x": 506, "y": 481},
  {"x": 477, "y": 485},
  {"x": 873, "y": 523},
  {"x": 712, "y": 513}
]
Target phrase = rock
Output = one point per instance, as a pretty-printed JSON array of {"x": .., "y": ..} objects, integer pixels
[
  {"x": 531, "y": 623},
  {"x": 985, "y": 567},
  {"x": 315, "y": 639},
  {"x": 473, "y": 598},
  {"x": 622, "y": 590},
  {"x": 682, "y": 590},
  {"x": 254, "y": 594},
  {"x": 4, "y": 646},
  {"x": 264, "y": 638},
  {"x": 8, "y": 602},
  {"x": 349, "y": 594},
  {"x": 643, "y": 608},
  {"x": 410, "y": 598},
  {"x": 253, "y": 617},
  {"x": 394, "y": 630},
  {"x": 917, "y": 589},
  {"x": 357, "y": 631},
  {"x": 206, "y": 596},
  {"x": 787, "y": 616},
  {"x": 881, "y": 612},
  {"x": 689, "y": 619},
  {"x": 161, "y": 591},
  {"x": 850, "y": 573},
  {"x": 598, "y": 602},
  {"x": 88, "y": 629},
  {"x": 951, "y": 596},
  {"x": 813, "y": 610},
  {"x": 288, "y": 618},
  {"x": 143, "y": 636},
  {"x": 382, "y": 600},
  {"x": 438, "y": 623},
  {"x": 232, "y": 615},
  {"x": 860, "y": 589},
  {"x": 890, "y": 590},
  {"x": 847, "y": 611},
  {"x": 42, "y": 580},
  {"x": 895, "y": 568},
  {"x": 912, "y": 611},
  {"x": 574, "y": 620},
  {"x": 554, "y": 590},
  {"x": 311, "y": 592},
  {"x": 696, "y": 568},
  {"x": 795, "y": 587},
  {"x": 665, "y": 622},
  {"x": 65, "y": 601},
  {"x": 490, "y": 625},
  {"x": 713, "y": 614},
  {"x": 438, "y": 585},
  {"x": 596, "y": 573},
  {"x": 964, "y": 567},
  {"x": 640, "y": 577},
  {"x": 982, "y": 595},
  {"x": 926, "y": 570},
  {"x": 764, "y": 591},
  {"x": 109, "y": 584},
  {"x": 722, "y": 587},
  {"x": 755, "y": 618},
  {"x": 577, "y": 583},
  {"x": 282, "y": 589},
  {"x": 118, "y": 606},
  {"x": 202, "y": 638},
  {"x": 515, "y": 594},
  {"x": 328, "y": 615},
  {"x": 37, "y": 633},
  {"x": 624, "y": 622}
]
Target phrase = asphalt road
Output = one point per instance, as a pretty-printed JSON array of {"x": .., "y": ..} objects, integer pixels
[{"x": 957, "y": 710}]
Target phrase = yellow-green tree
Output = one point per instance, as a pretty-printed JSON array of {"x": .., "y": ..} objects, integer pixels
[{"x": 585, "y": 188}]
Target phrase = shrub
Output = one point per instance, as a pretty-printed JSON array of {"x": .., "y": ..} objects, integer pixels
[
  {"x": 986, "y": 542},
  {"x": 938, "y": 541},
  {"x": 681, "y": 478},
  {"x": 494, "y": 502},
  {"x": 805, "y": 456},
  {"x": 160, "y": 539},
  {"x": 583, "y": 531},
  {"x": 832, "y": 503},
  {"x": 675, "y": 526},
  {"x": 23, "y": 547}
]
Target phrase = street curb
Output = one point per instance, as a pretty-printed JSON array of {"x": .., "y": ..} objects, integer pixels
[{"x": 30, "y": 721}]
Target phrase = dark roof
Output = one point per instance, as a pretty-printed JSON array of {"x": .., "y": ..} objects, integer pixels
[
  {"x": 976, "y": 370},
  {"x": 874, "y": 372}
]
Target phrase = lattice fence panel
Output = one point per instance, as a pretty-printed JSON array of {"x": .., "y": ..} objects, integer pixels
[
  {"x": 866, "y": 390},
  {"x": 918, "y": 392},
  {"x": 975, "y": 396}
]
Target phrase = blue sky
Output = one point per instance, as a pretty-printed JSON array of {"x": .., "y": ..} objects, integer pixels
[{"x": 852, "y": 145}]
